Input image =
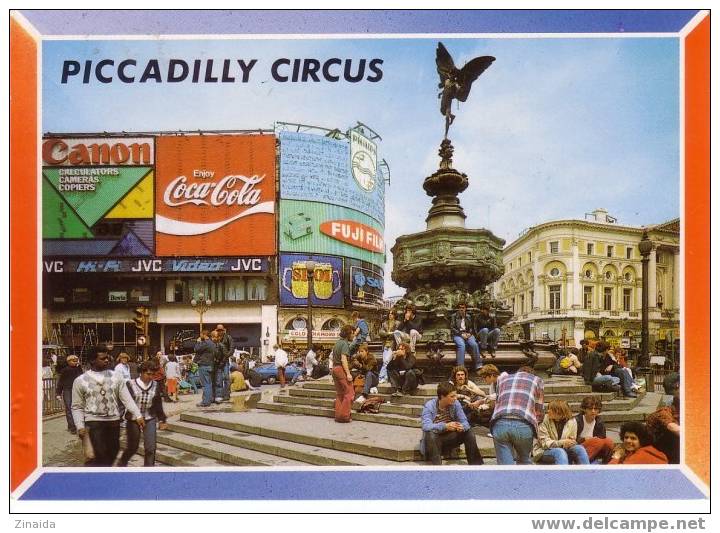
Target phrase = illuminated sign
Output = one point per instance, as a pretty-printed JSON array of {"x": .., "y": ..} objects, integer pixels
[
  {"x": 78, "y": 151},
  {"x": 178, "y": 264},
  {"x": 354, "y": 233}
]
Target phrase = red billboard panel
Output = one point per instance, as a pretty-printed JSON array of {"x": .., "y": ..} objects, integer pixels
[{"x": 215, "y": 195}]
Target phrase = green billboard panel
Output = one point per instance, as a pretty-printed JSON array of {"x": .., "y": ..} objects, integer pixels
[{"x": 313, "y": 227}]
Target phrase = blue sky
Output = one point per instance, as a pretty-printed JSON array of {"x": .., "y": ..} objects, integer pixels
[{"x": 553, "y": 129}]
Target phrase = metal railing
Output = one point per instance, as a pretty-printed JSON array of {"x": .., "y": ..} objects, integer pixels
[{"x": 51, "y": 405}]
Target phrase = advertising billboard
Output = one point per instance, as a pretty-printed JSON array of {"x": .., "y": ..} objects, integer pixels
[
  {"x": 153, "y": 264},
  {"x": 330, "y": 229},
  {"x": 365, "y": 282},
  {"x": 328, "y": 289},
  {"x": 215, "y": 195},
  {"x": 97, "y": 196},
  {"x": 332, "y": 171}
]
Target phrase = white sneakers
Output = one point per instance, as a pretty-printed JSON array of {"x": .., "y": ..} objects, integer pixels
[
  {"x": 373, "y": 390},
  {"x": 360, "y": 399}
]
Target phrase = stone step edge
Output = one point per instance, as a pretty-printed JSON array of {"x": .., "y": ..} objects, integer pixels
[
  {"x": 288, "y": 449},
  {"x": 343, "y": 446},
  {"x": 225, "y": 453}
]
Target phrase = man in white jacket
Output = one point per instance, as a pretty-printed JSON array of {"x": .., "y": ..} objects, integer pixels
[{"x": 96, "y": 398}]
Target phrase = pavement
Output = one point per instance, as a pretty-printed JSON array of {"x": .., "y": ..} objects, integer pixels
[{"x": 62, "y": 448}]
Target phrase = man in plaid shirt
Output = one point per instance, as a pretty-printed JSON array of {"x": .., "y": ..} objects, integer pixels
[{"x": 518, "y": 408}]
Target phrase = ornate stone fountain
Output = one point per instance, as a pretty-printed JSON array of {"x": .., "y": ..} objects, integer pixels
[{"x": 448, "y": 263}]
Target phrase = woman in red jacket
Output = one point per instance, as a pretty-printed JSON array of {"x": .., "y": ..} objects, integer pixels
[{"x": 637, "y": 448}]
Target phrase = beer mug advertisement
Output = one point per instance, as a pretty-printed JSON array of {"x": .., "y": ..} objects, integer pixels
[
  {"x": 327, "y": 283},
  {"x": 334, "y": 171},
  {"x": 97, "y": 196},
  {"x": 215, "y": 195}
]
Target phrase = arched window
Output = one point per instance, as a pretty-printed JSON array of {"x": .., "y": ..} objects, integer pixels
[
  {"x": 609, "y": 333},
  {"x": 297, "y": 323},
  {"x": 332, "y": 324}
]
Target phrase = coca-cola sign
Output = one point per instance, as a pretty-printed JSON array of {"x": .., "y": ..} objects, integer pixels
[{"x": 215, "y": 195}]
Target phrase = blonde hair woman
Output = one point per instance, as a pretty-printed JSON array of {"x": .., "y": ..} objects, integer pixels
[{"x": 557, "y": 437}]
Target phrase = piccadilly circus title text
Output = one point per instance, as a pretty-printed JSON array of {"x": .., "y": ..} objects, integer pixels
[{"x": 282, "y": 70}]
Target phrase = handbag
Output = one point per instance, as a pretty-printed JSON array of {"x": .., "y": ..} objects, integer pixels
[{"x": 359, "y": 383}]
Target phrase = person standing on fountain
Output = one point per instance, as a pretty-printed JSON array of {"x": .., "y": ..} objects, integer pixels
[
  {"x": 361, "y": 332},
  {"x": 461, "y": 324},
  {"x": 342, "y": 378},
  {"x": 409, "y": 329},
  {"x": 487, "y": 331}
]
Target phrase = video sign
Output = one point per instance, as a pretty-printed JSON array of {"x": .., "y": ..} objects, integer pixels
[
  {"x": 215, "y": 195},
  {"x": 321, "y": 169},
  {"x": 327, "y": 280}
]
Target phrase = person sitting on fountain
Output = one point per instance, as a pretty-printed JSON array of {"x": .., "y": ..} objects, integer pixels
[
  {"x": 461, "y": 326},
  {"x": 402, "y": 372},
  {"x": 477, "y": 408},
  {"x": 487, "y": 331},
  {"x": 387, "y": 329},
  {"x": 410, "y": 328}
]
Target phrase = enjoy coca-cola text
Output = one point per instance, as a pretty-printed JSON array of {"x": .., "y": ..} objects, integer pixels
[{"x": 230, "y": 190}]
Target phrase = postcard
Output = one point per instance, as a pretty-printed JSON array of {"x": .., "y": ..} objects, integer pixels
[{"x": 457, "y": 257}]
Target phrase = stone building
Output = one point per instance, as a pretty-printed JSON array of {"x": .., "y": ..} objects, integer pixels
[{"x": 585, "y": 277}]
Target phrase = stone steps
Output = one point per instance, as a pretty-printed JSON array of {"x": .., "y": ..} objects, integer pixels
[
  {"x": 306, "y": 453},
  {"x": 222, "y": 452},
  {"x": 402, "y": 407},
  {"x": 319, "y": 441}
]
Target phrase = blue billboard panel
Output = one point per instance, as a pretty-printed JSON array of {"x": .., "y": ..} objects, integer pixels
[
  {"x": 320, "y": 169},
  {"x": 328, "y": 287}
]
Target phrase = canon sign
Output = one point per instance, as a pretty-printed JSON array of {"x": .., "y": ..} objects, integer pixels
[{"x": 97, "y": 151}]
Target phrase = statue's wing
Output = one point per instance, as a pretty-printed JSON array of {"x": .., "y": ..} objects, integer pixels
[
  {"x": 444, "y": 61},
  {"x": 470, "y": 72}
]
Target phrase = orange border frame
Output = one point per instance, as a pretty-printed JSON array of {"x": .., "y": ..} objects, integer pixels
[
  {"x": 25, "y": 259},
  {"x": 696, "y": 412}
]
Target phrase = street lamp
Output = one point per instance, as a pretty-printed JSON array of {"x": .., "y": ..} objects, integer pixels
[
  {"x": 201, "y": 305},
  {"x": 310, "y": 269},
  {"x": 645, "y": 247}
]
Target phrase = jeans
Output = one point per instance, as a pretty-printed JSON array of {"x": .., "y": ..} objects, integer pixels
[
  {"x": 207, "y": 385},
  {"x": 437, "y": 443},
  {"x": 191, "y": 377},
  {"x": 133, "y": 442},
  {"x": 460, "y": 345},
  {"x": 606, "y": 380},
  {"x": 371, "y": 380},
  {"x": 387, "y": 357},
  {"x": 224, "y": 389},
  {"x": 67, "y": 400},
  {"x": 105, "y": 438},
  {"x": 357, "y": 341},
  {"x": 412, "y": 338},
  {"x": 626, "y": 380},
  {"x": 576, "y": 455},
  {"x": 485, "y": 335},
  {"x": 510, "y": 434}
]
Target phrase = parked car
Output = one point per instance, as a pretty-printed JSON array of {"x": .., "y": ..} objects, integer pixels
[{"x": 268, "y": 372}]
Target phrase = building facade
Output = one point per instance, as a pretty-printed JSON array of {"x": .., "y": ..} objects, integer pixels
[
  {"x": 142, "y": 229},
  {"x": 583, "y": 279}
]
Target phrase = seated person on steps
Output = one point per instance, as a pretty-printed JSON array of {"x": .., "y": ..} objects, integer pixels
[
  {"x": 446, "y": 428},
  {"x": 401, "y": 371}
]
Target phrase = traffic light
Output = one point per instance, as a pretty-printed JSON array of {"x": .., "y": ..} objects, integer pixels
[{"x": 141, "y": 321}]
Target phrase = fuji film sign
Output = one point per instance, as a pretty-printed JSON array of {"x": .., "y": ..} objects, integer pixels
[{"x": 355, "y": 234}]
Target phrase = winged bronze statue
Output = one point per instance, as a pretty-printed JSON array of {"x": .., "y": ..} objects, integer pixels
[{"x": 455, "y": 83}]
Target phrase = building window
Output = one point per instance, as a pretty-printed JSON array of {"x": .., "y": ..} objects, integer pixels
[
  {"x": 522, "y": 303},
  {"x": 607, "y": 298},
  {"x": 234, "y": 289},
  {"x": 628, "y": 252},
  {"x": 532, "y": 299},
  {"x": 520, "y": 261},
  {"x": 530, "y": 257},
  {"x": 554, "y": 247},
  {"x": 554, "y": 296},
  {"x": 332, "y": 325},
  {"x": 81, "y": 295},
  {"x": 627, "y": 299},
  {"x": 197, "y": 287},
  {"x": 256, "y": 289},
  {"x": 610, "y": 250},
  {"x": 587, "y": 297},
  {"x": 590, "y": 248}
]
